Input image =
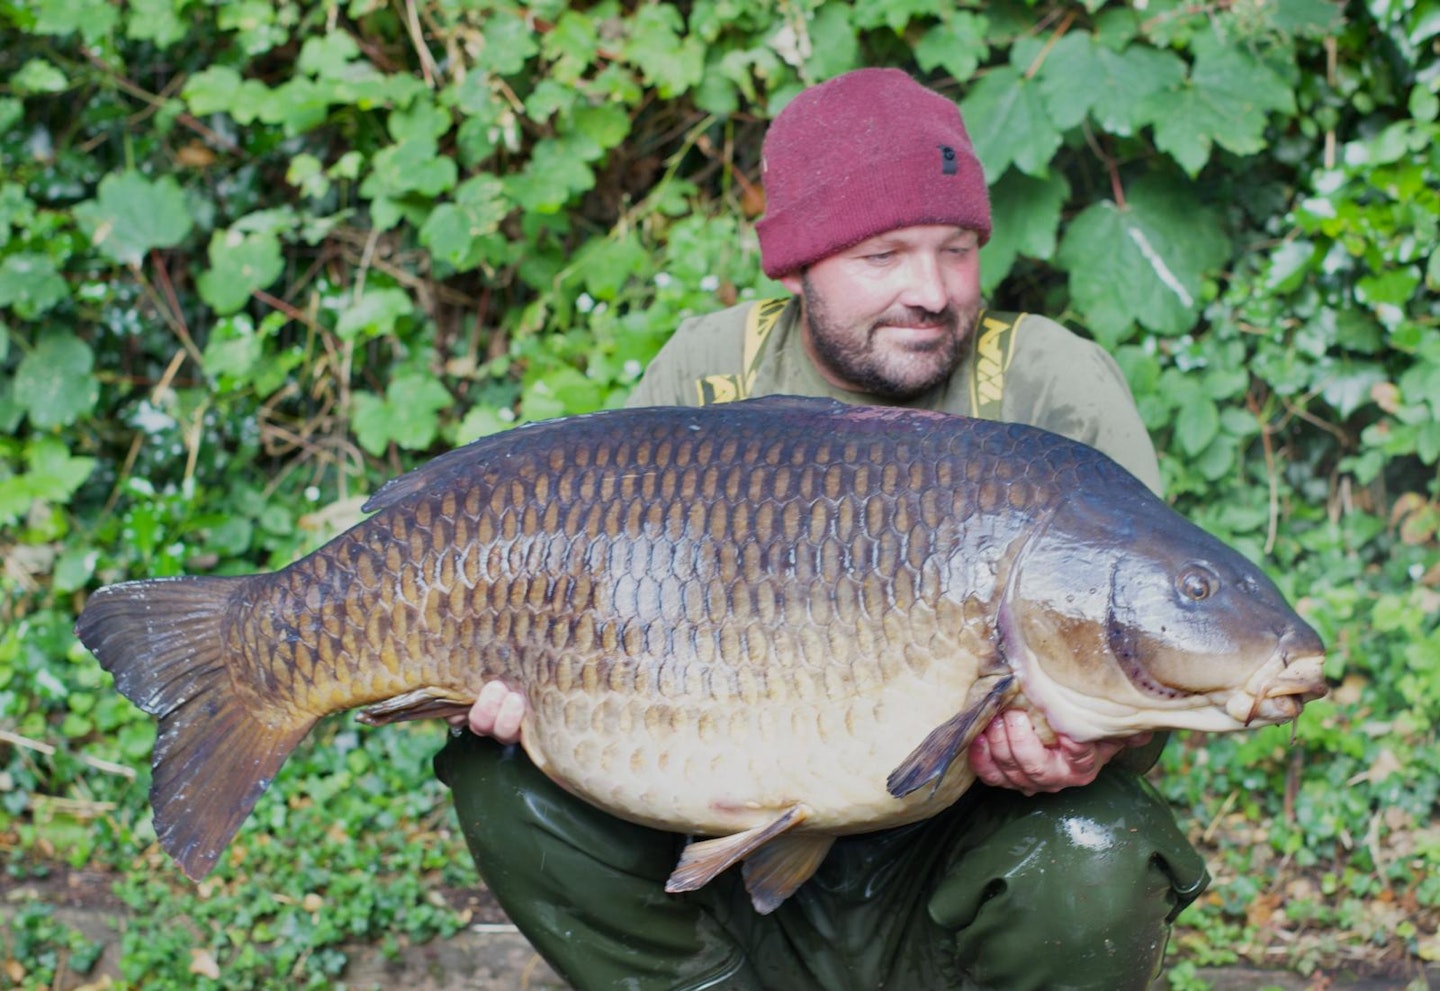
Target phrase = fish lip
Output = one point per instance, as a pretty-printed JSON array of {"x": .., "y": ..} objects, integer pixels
[{"x": 1278, "y": 696}]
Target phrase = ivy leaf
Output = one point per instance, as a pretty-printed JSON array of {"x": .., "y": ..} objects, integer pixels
[
  {"x": 374, "y": 314},
  {"x": 1197, "y": 420},
  {"x": 157, "y": 21},
  {"x": 570, "y": 46},
  {"x": 833, "y": 47},
  {"x": 74, "y": 568},
  {"x": 1225, "y": 102},
  {"x": 93, "y": 19},
  {"x": 423, "y": 123},
  {"x": 409, "y": 414},
  {"x": 894, "y": 14},
  {"x": 412, "y": 166},
  {"x": 132, "y": 215},
  {"x": 509, "y": 44},
  {"x": 606, "y": 125},
  {"x": 481, "y": 421},
  {"x": 549, "y": 98},
  {"x": 957, "y": 44},
  {"x": 31, "y": 285},
  {"x": 11, "y": 111},
  {"x": 561, "y": 392},
  {"x": 17, "y": 212},
  {"x": 53, "y": 383},
  {"x": 555, "y": 172},
  {"x": 232, "y": 351},
  {"x": 239, "y": 264},
  {"x": 1008, "y": 123},
  {"x": 328, "y": 55},
  {"x": 1143, "y": 263},
  {"x": 1083, "y": 76},
  {"x": 52, "y": 474},
  {"x": 1026, "y": 213},
  {"x": 1310, "y": 18},
  {"x": 213, "y": 89},
  {"x": 298, "y": 106},
  {"x": 667, "y": 58},
  {"x": 453, "y": 230},
  {"x": 38, "y": 76},
  {"x": 607, "y": 264}
]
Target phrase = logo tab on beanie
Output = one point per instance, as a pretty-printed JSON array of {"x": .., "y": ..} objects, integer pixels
[{"x": 947, "y": 160}]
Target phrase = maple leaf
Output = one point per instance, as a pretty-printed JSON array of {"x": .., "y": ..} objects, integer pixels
[
  {"x": 1225, "y": 101},
  {"x": 1144, "y": 262}
]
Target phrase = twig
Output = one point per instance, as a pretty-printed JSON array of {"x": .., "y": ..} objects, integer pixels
[
  {"x": 176, "y": 316},
  {"x": 1292, "y": 783},
  {"x": 167, "y": 378},
  {"x": 140, "y": 93},
  {"x": 286, "y": 308},
  {"x": 25, "y": 743},
  {"x": 1271, "y": 474},
  {"x": 16, "y": 740},
  {"x": 1112, "y": 167},
  {"x": 1055, "y": 36},
  {"x": 428, "y": 68},
  {"x": 1220, "y": 814},
  {"x": 365, "y": 258}
]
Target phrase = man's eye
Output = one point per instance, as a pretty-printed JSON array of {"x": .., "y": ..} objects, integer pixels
[{"x": 880, "y": 257}]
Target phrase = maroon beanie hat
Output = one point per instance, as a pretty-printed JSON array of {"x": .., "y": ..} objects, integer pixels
[{"x": 867, "y": 152}]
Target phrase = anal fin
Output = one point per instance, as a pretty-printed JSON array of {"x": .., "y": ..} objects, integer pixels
[
  {"x": 929, "y": 761},
  {"x": 704, "y": 860},
  {"x": 775, "y": 871},
  {"x": 422, "y": 703}
]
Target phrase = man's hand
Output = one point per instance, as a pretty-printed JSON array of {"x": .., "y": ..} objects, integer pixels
[
  {"x": 497, "y": 713},
  {"x": 1010, "y": 754}
]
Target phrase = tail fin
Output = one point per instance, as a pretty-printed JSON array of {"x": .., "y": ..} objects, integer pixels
[{"x": 163, "y": 641}]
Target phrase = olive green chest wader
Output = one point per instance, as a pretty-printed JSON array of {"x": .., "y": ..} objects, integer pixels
[{"x": 1073, "y": 891}]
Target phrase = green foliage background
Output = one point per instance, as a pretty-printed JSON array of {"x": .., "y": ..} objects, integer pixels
[{"x": 259, "y": 256}]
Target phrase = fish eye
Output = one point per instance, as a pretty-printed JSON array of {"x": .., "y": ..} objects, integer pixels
[{"x": 1197, "y": 583}]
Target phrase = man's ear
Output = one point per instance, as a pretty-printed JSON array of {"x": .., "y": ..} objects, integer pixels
[{"x": 791, "y": 282}]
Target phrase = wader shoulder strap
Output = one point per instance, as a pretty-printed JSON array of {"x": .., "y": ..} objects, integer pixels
[
  {"x": 761, "y": 319},
  {"x": 993, "y": 350}
]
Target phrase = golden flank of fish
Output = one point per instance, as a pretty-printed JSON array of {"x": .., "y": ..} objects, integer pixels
[{"x": 769, "y": 623}]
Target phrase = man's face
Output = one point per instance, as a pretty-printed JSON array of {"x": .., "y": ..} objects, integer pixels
[{"x": 891, "y": 315}]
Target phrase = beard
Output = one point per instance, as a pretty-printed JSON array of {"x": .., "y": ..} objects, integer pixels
[{"x": 855, "y": 355}]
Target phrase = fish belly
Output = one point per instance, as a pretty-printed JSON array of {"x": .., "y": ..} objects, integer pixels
[{"x": 714, "y": 769}]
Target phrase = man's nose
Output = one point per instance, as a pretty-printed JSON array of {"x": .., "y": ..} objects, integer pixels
[{"x": 925, "y": 287}]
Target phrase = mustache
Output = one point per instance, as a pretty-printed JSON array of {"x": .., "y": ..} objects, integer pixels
[{"x": 915, "y": 316}]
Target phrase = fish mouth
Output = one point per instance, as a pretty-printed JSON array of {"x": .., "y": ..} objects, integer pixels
[{"x": 1278, "y": 696}]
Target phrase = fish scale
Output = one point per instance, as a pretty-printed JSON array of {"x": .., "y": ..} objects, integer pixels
[{"x": 770, "y": 623}]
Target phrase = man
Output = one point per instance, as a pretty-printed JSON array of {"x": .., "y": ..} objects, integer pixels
[{"x": 1063, "y": 870}]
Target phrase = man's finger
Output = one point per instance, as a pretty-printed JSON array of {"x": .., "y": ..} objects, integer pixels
[
  {"x": 487, "y": 708},
  {"x": 509, "y": 718}
]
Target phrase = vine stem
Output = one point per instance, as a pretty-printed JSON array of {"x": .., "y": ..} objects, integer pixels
[
  {"x": 175, "y": 316},
  {"x": 1267, "y": 444},
  {"x": 156, "y": 102},
  {"x": 1050, "y": 42}
]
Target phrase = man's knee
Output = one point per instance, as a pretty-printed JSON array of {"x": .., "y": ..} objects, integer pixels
[{"x": 1076, "y": 889}]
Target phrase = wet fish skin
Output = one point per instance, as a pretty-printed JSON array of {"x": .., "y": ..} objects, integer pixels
[{"x": 736, "y": 621}]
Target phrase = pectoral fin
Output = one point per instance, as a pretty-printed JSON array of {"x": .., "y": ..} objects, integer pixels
[
  {"x": 704, "y": 860},
  {"x": 422, "y": 703},
  {"x": 775, "y": 871},
  {"x": 929, "y": 761}
]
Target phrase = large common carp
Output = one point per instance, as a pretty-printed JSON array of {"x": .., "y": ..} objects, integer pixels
[{"x": 768, "y": 622}]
